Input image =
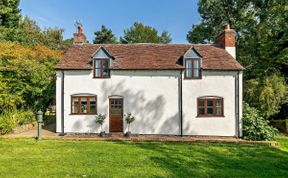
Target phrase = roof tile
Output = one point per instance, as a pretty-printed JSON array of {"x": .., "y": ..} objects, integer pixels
[{"x": 149, "y": 56}]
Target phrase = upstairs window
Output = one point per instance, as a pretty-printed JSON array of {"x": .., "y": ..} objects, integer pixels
[
  {"x": 101, "y": 68},
  {"x": 101, "y": 63},
  {"x": 83, "y": 105},
  {"x": 192, "y": 69},
  {"x": 192, "y": 64},
  {"x": 210, "y": 106}
]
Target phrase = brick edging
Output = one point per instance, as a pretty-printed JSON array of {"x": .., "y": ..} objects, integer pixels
[
  {"x": 159, "y": 139},
  {"x": 132, "y": 139}
]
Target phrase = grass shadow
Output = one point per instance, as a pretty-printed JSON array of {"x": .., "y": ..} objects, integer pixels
[{"x": 216, "y": 160}]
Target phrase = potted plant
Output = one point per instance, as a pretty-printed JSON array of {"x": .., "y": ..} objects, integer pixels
[
  {"x": 129, "y": 119},
  {"x": 100, "y": 120},
  {"x": 84, "y": 108}
]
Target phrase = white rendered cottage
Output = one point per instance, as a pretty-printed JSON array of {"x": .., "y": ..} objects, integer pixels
[{"x": 171, "y": 89}]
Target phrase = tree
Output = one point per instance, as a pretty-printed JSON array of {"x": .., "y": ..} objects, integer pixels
[
  {"x": 267, "y": 94},
  {"x": 9, "y": 19},
  {"x": 199, "y": 34},
  {"x": 261, "y": 31},
  {"x": 29, "y": 33},
  {"x": 9, "y": 13},
  {"x": 27, "y": 61},
  {"x": 165, "y": 37},
  {"x": 27, "y": 76},
  {"x": 8, "y": 101},
  {"x": 262, "y": 39},
  {"x": 104, "y": 36},
  {"x": 139, "y": 33}
]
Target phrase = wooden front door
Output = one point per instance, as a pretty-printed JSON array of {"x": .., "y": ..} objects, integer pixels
[{"x": 116, "y": 115}]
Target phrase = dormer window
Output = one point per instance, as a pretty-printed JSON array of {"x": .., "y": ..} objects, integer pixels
[
  {"x": 101, "y": 63},
  {"x": 192, "y": 64},
  {"x": 101, "y": 68},
  {"x": 192, "y": 68}
]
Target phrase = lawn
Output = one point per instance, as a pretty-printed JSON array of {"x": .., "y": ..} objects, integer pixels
[{"x": 59, "y": 158}]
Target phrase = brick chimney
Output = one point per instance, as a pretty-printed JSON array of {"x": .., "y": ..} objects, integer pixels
[
  {"x": 227, "y": 40},
  {"x": 79, "y": 37}
]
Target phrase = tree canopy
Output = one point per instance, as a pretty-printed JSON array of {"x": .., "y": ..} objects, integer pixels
[
  {"x": 28, "y": 55},
  {"x": 27, "y": 76},
  {"x": 28, "y": 33},
  {"x": 140, "y": 33},
  {"x": 262, "y": 40},
  {"x": 9, "y": 13},
  {"x": 104, "y": 36}
]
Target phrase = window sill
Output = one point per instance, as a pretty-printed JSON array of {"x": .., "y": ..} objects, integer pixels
[
  {"x": 101, "y": 77},
  {"x": 192, "y": 78},
  {"x": 83, "y": 114},
  {"x": 201, "y": 116}
]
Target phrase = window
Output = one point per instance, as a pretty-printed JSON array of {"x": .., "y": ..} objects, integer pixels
[
  {"x": 83, "y": 105},
  {"x": 101, "y": 68},
  {"x": 116, "y": 107},
  {"x": 210, "y": 106},
  {"x": 192, "y": 69}
]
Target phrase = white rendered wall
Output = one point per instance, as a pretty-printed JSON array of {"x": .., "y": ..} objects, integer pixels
[
  {"x": 58, "y": 101},
  {"x": 231, "y": 51},
  {"x": 241, "y": 103},
  {"x": 213, "y": 83},
  {"x": 152, "y": 97}
]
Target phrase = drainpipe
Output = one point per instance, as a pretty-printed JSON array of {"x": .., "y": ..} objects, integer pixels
[
  {"x": 237, "y": 105},
  {"x": 62, "y": 105},
  {"x": 180, "y": 104}
]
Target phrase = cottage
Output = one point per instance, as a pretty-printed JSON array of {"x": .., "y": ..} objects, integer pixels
[{"x": 171, "y": 89}]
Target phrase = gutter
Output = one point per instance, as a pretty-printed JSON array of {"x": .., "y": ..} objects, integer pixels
[
  {"x": 237, "y": 99},
  {"x": 150, "y": 69},
  {"x": 62, "y": 105},
  {"x": 180, "y": 104}
]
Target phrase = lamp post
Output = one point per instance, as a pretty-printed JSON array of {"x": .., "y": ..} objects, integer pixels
[{"x": 39, "y": 117}]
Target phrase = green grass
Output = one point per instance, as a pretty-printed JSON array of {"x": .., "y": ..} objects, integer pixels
[
  {"x": 283, "y": 140},
  {"x": 59, "y": 158}
]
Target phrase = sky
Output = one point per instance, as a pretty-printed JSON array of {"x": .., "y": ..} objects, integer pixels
[{"x": 174, "y": 16}]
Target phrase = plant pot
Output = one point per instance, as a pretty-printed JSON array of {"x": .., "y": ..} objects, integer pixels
[
  {"x": 102, "y": 134},
  {"x": 128, "y": 134}
]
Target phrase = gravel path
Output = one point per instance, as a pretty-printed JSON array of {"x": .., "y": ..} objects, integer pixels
[{"x": 47, "y": 131}]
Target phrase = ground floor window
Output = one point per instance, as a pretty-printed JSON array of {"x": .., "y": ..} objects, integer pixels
[
  {"x": 210, "y": 106},
  {"x": 83, "y": 104}
]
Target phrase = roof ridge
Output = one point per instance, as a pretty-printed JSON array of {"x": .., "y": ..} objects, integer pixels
[{"x": 140, "y": 44}]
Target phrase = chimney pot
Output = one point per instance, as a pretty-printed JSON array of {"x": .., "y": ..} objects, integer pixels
[
  {"x": 227, "y": 40},
  {"x": 79, "y": 37},
  {"x": 80, "y": 29}
]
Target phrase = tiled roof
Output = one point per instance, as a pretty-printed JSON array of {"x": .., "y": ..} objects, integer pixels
[{"x": 149, "y": 56}]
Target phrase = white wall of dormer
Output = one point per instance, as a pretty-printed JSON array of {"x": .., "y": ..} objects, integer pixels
[{"x": 101, "y": 53}]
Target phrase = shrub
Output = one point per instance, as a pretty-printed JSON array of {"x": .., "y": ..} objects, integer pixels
[
  {"x": 129, "y": 119},
  {"x": 255, "y": 127},
  {"x": 6, "y": 123},
  {"x": 11, "y": 119},
  {"x": 100, "y": 119}
]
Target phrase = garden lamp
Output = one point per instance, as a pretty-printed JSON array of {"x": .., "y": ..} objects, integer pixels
[{"x": 39, "y": 117}]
